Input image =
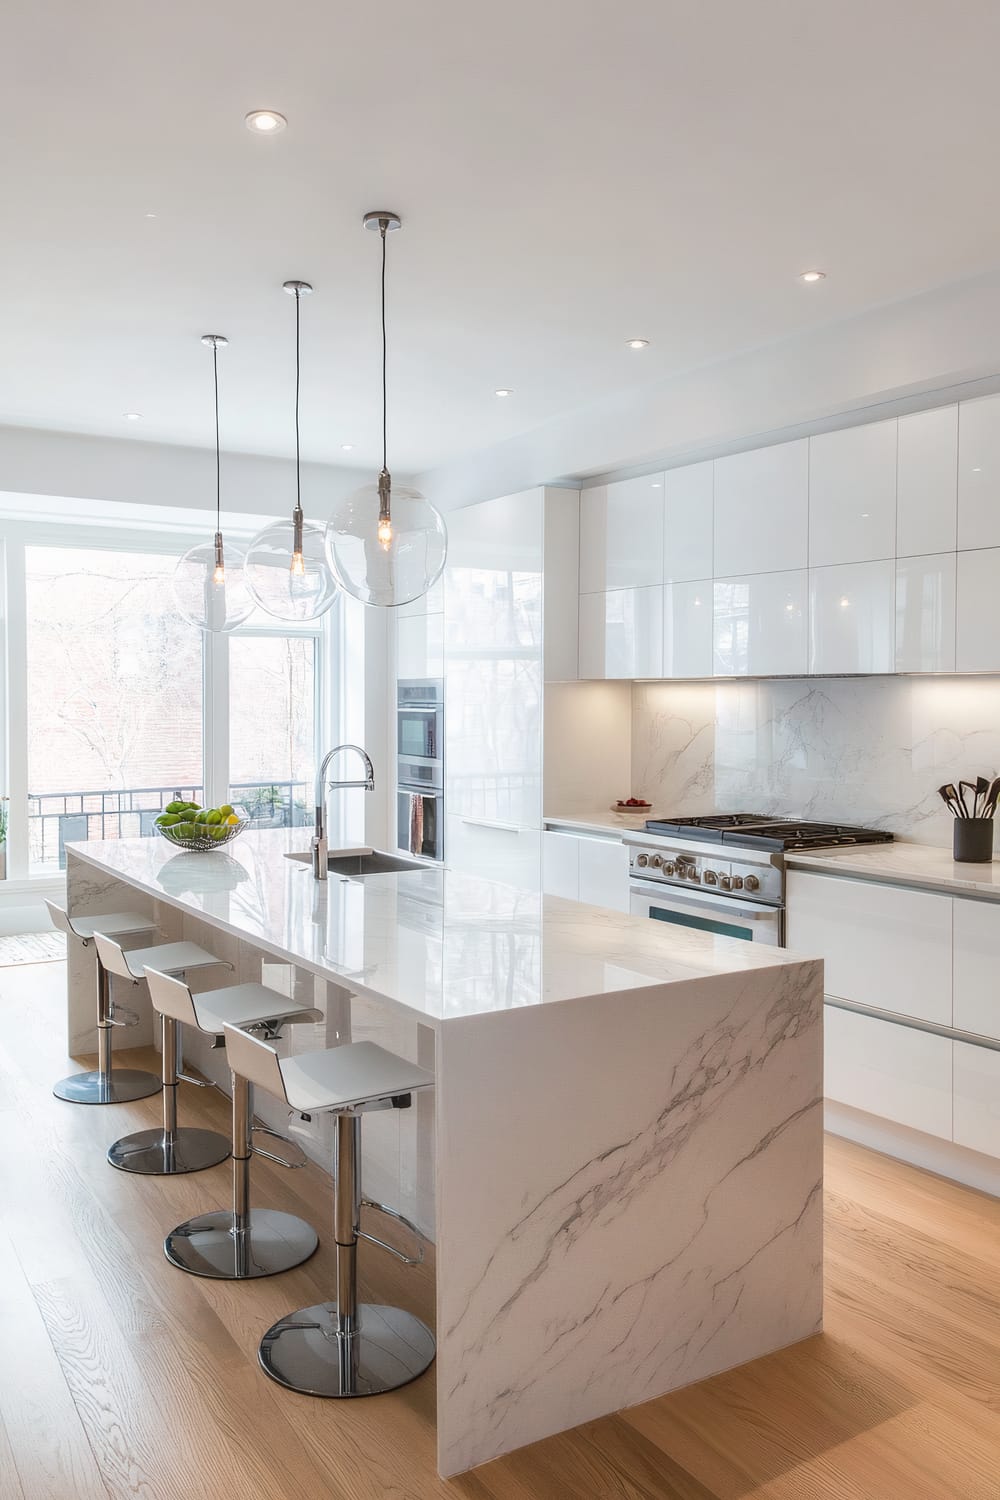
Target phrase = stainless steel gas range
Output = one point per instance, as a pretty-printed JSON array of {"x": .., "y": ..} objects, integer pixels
[{"x": 725, "y": 873}]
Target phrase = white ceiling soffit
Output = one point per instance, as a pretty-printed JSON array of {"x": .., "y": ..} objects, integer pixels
[{"x": 570, "y": 175}]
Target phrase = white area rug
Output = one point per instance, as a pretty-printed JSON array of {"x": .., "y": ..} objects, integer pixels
[{"x": 32, "y": 948}]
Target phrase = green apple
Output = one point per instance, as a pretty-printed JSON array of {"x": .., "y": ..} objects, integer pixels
[
  {"x": 175, "y": 807},
  {"x": 214, "y": 815},
  {"x": 167, "y": 820}
]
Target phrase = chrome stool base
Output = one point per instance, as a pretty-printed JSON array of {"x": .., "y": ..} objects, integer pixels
[
  {"x": 305, "y": 1352},
  {"x": 154, "y": 1153},
  {"x": 211, "y": 1245},
  {"x": 118, "y": 1087}
]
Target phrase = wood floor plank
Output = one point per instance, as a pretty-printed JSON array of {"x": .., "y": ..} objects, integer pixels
[{"x": 136, "y": 1380}]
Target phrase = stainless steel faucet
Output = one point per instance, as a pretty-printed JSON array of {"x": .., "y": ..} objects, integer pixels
[{"x": 319, "y": 846}]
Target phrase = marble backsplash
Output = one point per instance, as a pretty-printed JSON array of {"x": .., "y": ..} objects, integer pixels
[{"x": 869, "y": 750}]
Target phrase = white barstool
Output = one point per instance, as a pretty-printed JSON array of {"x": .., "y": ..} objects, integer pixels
[
  {"x": 160, "y": 1153},
  {"x": 107, "y": 1085},
  {"x": 244, "y": 1242},
  {"x": 341, "y": 1348}
]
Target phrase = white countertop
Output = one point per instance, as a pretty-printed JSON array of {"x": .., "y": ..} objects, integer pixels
[
  {"x": 606, "y": 822},
  {"x": 904, "y": 864},
  {"x": 439, "y": 943}
]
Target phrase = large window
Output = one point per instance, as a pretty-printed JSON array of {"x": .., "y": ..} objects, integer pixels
[
  {"x": 117, "y": 705},
  {"x": 272, "y": 726},
  {"x": 114, "y": 696}
]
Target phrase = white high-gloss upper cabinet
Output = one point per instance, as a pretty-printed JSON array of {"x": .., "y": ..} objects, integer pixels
[
  {"x": 762, "y": 510},
  {"x": 979, "y": 472},
  {"x": 621, "y": 633},
  {"x": 925, "y": 613},
  {"x": 687, "y": 522},
  {"x": 759, "y": 625},
  {"x": 851, "y": 623},
  {"x": 977, "y": 648},
  {"x": 883, "y": 946},
  {"x": 976, "y": 966},
  {"x": 604, "y": 873},
  {"x": 893, "y": 1071},
  {"x": 420, "y": 645},
  {"x": 927, "y": 482},
  {"x": 852, "y": 495},
  {"x": 976, "y": 1105},
  {"x": 687, "y": 629},
  {"x": 621, "y": 535}
]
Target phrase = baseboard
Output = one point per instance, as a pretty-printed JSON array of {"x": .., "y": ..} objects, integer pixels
[{"x": 972, "y": 1168}]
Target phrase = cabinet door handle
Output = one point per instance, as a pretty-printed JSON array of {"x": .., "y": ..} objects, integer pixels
[{"x": 492, "y": 823}]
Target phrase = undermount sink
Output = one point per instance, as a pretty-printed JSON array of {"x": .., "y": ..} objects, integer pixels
[{"x": 354, "y": 863}]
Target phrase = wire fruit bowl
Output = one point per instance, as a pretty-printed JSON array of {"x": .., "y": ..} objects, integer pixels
[{"x": 209, "y": 836}]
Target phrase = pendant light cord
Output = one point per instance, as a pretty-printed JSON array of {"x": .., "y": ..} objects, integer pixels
[
  {"x": 298, "y": 472},
  {"x": 383, "y": 227},
  {"x": 218, "y": 459}
]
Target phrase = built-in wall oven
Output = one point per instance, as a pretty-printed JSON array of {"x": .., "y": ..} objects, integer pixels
[{"x": 420, "y": 767}]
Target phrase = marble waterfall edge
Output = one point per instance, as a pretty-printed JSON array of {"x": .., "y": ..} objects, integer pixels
[{"x": 608, "y": 1246}]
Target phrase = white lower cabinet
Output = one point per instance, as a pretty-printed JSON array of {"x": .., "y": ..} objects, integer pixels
[
  {"x": 976, "y": 1111},
  {"x": 589, "y": 869},
  {"x": 976, "y": 967},
  {"x": 604, "y": 873},
  {"x": 883, "y": 946},
  {"x": 889, "y": 1070},
  {"x": 561, "y": 865}
]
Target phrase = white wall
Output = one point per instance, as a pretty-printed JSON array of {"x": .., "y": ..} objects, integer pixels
[{"x": 587, "y": 746}]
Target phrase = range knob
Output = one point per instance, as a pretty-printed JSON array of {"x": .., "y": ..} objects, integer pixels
[
  {"x": 751, "y": 883},
  {"x": 669, "y": 868},
  {"x": 724, "y": 883},
  {"x": 737, "y": 882},
  {"x": 656, "y": 862},
  {"x": 711, "y": 878},
  {"x": 642, "y": 860},
  {"x": 693, "y": 875}
]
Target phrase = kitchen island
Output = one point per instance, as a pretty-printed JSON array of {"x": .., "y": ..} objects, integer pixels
[{"x": 621, "y": 1162}]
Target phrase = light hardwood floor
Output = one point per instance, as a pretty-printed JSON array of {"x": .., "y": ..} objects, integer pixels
[{"x": 120, "y": 1376}]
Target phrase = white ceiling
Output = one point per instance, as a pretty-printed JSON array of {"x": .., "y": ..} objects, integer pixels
[{"x": 570, "y": 173}]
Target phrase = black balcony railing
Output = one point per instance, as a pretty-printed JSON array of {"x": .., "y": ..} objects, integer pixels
[{"x": 56, "y": 819}]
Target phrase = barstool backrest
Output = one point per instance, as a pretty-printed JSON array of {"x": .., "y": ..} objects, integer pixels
[
  {"x": 171, "y": 997},
  {"x": 60, "y": 918},
  {"x": 112, "y": 955},
  {"x": 255, "y": 1061}
]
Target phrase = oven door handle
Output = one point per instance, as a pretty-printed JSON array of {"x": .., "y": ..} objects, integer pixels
[{"x": 652, "y": 891}]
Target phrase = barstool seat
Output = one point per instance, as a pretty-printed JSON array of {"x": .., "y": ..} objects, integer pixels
[
  {"x": 105, "y": 1084},
  {"x": 240, "y": 1243},
  {"x": 171, "y": 1149},
  {"x": 342, "y": 1348}
]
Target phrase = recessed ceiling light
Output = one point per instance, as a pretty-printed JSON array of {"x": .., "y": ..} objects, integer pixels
[
  {"x": 656, "y": 485},
  {"x": 810, "y": 276},
  {"x": 503, "y": 393},
  {"x": 132, "y": 416},
  {"x": 638, "y": 343},
  {"x": 265, "y": 121},
  {"x": 346, "y": 447}
]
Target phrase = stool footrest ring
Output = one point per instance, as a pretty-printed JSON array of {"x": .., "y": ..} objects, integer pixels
[{"x": 393, "y": 1213}]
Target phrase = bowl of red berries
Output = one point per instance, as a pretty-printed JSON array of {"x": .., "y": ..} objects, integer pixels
[{"x": 631, "y": 805}]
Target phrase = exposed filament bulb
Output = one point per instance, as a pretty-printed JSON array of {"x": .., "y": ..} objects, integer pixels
[
  {"x": 385, "y": 533},
  {"x": 298, "y": 565},
  {"x": 384, "y": 519},
  {"x": 219, "y": 575}
]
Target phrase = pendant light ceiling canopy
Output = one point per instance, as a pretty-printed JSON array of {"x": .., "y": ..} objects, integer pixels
[
  {"x": 286, "y": 567},
  {"x": 385, "y": 546},
  {"x": 209, "y": 585}
]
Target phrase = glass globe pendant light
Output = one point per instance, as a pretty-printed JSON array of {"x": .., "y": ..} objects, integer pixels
[
  {"x": 286, "y": 567},
  {"x": 209, "y": 586},
  {"x": 385, "y": 546}
]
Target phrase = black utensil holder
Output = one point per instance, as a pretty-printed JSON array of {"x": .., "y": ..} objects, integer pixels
[{"x": 973, "y": 840}]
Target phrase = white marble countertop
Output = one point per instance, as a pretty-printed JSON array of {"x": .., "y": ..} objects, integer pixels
[
  {"x": 606, "y": 822},
  {"x": 439, "y": 943},
  {"x": 904, "y": 864}
]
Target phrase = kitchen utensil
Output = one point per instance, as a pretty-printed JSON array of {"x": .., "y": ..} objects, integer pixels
[
  {"x": 982, "y": 789},
  {"x": 970, "y": 803},
  {"x": 950, "y": 797},
  {"x": 989, "y": 807},
  {"x": 973, "y": 840}
]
